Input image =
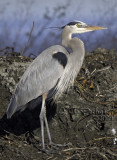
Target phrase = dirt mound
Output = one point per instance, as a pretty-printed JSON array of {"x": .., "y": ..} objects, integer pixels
[{"x": 85, "y": 117}]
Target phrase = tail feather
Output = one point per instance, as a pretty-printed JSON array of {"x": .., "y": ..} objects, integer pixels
[{"x": 11, "y": 107}]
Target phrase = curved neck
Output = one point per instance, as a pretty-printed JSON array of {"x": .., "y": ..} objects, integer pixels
[
  {"x": 68, "y": 41},
  {"x": 66, "y": 37}
]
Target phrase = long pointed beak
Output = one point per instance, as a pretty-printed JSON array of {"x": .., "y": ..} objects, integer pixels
[{"x": 93, "y": 28}]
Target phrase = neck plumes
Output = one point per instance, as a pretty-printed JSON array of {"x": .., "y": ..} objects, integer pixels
[
  {"x": 74, "y": 63},
  {"x": 75, "y": 44},
  {"x": 76, "y": 57},
  {"x": 66, "y": 38},
  {"x": 69, "y": 42}
]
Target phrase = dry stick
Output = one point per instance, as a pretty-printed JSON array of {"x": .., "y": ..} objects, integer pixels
[
  {"x": 77, "y": 154},
  {"x": 110, "y": 152},
  {"x": 22, "y": 53},
  {"x": 6, "y": 48},
  {"x": 102, "y": 155},
  {"x": 66, "y": 150}
]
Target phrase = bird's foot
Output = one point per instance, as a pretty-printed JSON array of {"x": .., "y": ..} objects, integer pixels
[
  {"x": 54, "y": 145},
  {"x": 54, "y": 148}
]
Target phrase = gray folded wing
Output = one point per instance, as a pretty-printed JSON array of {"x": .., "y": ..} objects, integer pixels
[{"x": 41, "y": 76}]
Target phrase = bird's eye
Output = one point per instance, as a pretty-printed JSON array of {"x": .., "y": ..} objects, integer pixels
[{"x": 78, "y": 25}]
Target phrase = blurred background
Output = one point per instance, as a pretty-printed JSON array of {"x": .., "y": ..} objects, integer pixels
[{"x": 17, "y": 16}]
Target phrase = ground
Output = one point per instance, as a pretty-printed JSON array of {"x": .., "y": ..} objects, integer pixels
[{"x": 85, "y": 117}]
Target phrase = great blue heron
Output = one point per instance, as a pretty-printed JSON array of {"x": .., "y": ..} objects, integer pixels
[{"x": 51, "y": 73}]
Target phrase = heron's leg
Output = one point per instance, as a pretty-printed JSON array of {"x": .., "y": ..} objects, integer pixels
[
  {"x": 48, "y": 132},
  {"x": 47, "y": 127},
  {"x": 42, "y": 118},
  {"x": 45, "y": 118}
]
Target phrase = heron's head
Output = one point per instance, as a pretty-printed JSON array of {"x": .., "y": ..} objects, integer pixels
[{"x": 80, "y": 27}]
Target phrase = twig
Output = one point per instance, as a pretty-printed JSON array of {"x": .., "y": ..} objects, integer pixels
[
  {"x": 49, "y": 157},
  {"x": 103, "y": 155},
  {"x": 111, "y": 89},
  {"x": 98, "y": 90},
  {"x": 7, "y": 48},
  {"x": 93, "y": 71},
  {"x": 103, "y": 69},
  {"x": 73, "y": 156},
  {"x": 22, "y": 53},
  {"x": 98, "y": 139},
  {"x": 110, "y": 152},
  {"x": 66, "y": 150},
  {"x": 100, "y": 70}
]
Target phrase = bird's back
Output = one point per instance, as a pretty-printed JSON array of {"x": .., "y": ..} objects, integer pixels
[{"x": 40, "y": 77}]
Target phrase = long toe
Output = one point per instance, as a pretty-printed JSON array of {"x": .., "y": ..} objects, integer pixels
[{"x": 54, "y": 145}]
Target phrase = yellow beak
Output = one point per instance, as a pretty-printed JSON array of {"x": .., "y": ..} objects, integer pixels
[{"x": 93, "y": 28}]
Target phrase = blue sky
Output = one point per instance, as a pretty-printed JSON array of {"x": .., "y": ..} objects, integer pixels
[{"x": 17, "y": 16}]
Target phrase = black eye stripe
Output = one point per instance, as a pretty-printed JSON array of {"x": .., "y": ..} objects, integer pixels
[{"x": 73, "y": 23}]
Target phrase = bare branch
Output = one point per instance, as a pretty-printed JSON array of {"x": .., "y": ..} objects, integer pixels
[{"x": 26, "y": 45}]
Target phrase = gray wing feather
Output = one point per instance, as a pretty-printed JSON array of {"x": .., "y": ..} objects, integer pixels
[{"x": 40, "y": 77}]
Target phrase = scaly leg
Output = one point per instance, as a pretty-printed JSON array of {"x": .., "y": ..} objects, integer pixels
[
  {"x": 48, "y": 132},
  {"x": 42, "y": 118}
]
